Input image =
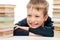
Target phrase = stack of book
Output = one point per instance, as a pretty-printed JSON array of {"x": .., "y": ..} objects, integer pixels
[
  {"x": 6, "y": 19},
  {"x": 6, "y": 15},
  {"x": 56, "y": 14}
]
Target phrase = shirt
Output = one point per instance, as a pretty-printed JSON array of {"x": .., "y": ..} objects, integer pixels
[{"x": 46, "y": 30}]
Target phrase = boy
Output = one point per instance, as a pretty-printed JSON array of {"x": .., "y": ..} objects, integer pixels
[{"x": 37, "y": 21}]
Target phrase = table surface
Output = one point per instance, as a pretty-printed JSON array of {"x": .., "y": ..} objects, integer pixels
[
  {"x": 56, "y": 35},
  {"x": 25, "y": 38}
]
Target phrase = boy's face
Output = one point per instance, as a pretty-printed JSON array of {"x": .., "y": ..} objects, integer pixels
[{"x": 34, "y": 17}]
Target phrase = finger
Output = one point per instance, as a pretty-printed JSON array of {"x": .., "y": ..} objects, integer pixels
[
  {"x": 16, "y": 27},
  {"x": 25, "y": 28}
]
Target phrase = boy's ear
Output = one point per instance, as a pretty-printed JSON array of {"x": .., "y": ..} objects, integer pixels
[{"x": 45, "y": 17}]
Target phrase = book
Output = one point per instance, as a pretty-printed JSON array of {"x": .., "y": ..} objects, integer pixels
[
  {"x": 4, "y": 32},
  {"x": 6, "y": 6},
  {"x": 6, "y": 19},
  {"x": 56, "y": 10},
  {"x": 56, "y": 14},
  {"x": 57, "y": 28},
  {"x": 6, "y": 10},
  {"x": 56, "y": 19},
  {"x": 7, "y": 14},
  {"x": 56, "y": 2},
  {"x": 6, "y": 24}
]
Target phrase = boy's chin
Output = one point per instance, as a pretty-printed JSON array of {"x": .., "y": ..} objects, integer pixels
[{"x": 34, "y": 26}]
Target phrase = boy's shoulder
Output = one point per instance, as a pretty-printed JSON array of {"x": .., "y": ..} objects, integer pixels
[
  {"x": 22, "y": 22},
  {"x": 48, "y": 20}
]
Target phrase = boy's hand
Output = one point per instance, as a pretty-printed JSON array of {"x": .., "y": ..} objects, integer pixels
[
  {"x": 23, "y": 28},
  {"x": 32, "y": 34}
]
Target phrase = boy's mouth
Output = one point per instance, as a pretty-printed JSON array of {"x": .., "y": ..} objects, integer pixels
[{"x": 33, "y": 24}]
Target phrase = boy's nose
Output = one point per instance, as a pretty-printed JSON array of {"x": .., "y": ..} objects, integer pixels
[{"x": 33, "y": 19}]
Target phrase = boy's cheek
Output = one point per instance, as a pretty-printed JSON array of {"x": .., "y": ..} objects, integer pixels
[{"x": 39, "y": 23}]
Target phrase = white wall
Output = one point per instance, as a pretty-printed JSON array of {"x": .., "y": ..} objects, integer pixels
[{"x": 20, "y": 9}]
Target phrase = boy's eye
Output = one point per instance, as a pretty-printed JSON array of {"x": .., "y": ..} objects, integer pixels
[
  {"x": 29, "y": 15},
  {"x": 37, "y": 9},
  {"x": 36, "y": 16}
]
